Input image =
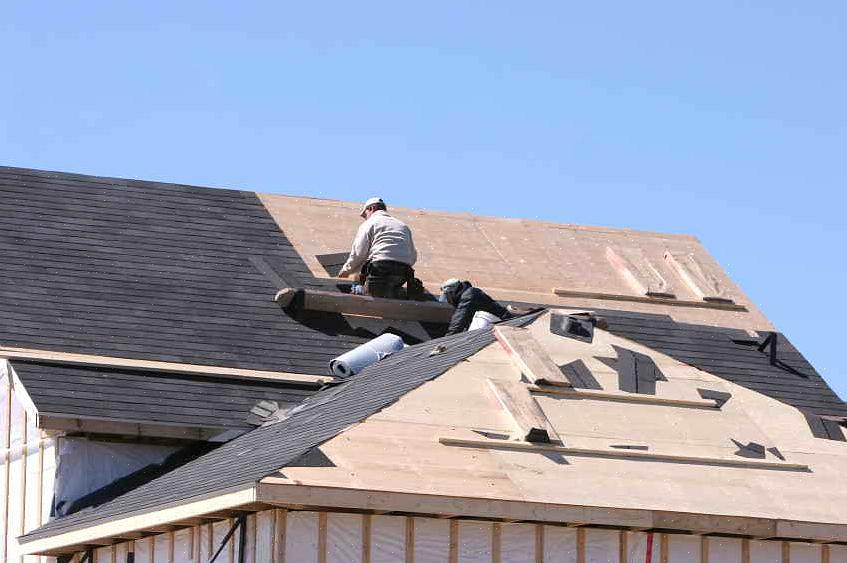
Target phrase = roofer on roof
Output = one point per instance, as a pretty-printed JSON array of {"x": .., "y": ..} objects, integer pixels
[
  {"x": 468, "y": 301},
  {"x": 383, "y": 251}
]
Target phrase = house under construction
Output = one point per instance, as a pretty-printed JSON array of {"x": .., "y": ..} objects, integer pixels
[{"x": 166, "y": 396}]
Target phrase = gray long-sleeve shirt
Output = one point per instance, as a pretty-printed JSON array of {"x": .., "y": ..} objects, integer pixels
[{"x": 381, "y": 237}]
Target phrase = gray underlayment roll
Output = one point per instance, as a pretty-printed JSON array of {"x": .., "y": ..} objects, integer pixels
[{"x": 357, "y": 359}]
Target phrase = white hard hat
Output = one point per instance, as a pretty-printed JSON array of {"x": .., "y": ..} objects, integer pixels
[
  {"x": 450, "y": 284},
  {"x": 369, "y": 202}
]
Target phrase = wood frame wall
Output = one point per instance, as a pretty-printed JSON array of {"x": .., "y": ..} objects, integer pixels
[
  {"x": 27, "y": 476},
  {"x": 289, "y": 536}
]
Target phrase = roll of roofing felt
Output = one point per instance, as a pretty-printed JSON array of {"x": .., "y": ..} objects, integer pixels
[
  {"x": 482, "y": 319},
  {"x": 357, "y": 359}
]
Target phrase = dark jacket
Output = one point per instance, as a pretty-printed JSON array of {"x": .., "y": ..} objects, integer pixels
[{"x": 468, "y": 300}]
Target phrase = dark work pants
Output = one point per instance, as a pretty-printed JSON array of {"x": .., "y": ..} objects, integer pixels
[{"x": 385, "y": 278}]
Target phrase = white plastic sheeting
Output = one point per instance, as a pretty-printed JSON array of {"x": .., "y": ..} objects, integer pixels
[
  {"x": 301, "y": 537},
  {"x": 219, "y": 532},
  {"x": 162, "y": 547},
  {"x": 265, "y": 535},
  {"x": 559, "y": 545},
  {"x": 726, "y": 550},
  {"x": 765, "y": 552},
  {"x": 517, "y": 543},
  {"x": 684, "y": 549},
  {"x": 144, "y": 550},
  {"x": 85, "y": 466},
  {"x": 432, "y": 540},
  {"x": 637, "y": 546},
  {"x": 602, "y": 546},
  {"x": 805, "y": 553},
  {"x": 838, "y": 554},
  {"x": 475, "y": 542},
  {"x": 343, "y": 538},
  {"x": 388, "y": 539},
  {"x": 183, "y": 545}
]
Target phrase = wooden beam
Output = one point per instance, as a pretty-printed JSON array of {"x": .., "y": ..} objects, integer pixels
[
  {"x": 528, "y": 417},
  {"x": 365, "y": 305},
  {"x": 224, "y": 514},
  {"x": 529, "y": 357},
  {"x": 132, "y": 536},
  {"x": 707, "y": 404},
  {"x": 195, "y": 521},
  {"x": 281, "y": 492},
  {"x": 161, "y": 529},
  {"x": 105, "y": 542},
  {"x": 49, "y": 421},
  {"x": 285, "y": 296},
  {"x": 149, "y": 365},
  {"x": 724, "y": 306},
  {"x": 623, "y": 454}
]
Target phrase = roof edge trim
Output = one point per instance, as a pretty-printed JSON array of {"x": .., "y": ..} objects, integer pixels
[
  {"x": 281, "y": 492},
  {"x": 68, "y": 358},
  {"x": 36, "y": 544},
  {"x": 128, "y": 427}
]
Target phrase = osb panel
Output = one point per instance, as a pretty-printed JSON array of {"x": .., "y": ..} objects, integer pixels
[
  {"x": 398, "y": 449},
  {"x": 513, "y": 259}
]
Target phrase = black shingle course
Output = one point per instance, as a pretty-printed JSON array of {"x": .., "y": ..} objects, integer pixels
[
  {"x": 150, "y": 397},
  {"x": 249, "y": 458},
  {"x": 152, "y": 271},
  {"x": 712, "y": 349}
]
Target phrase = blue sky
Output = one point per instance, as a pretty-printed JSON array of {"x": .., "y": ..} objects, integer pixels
[{"x": 725, "y": 120}]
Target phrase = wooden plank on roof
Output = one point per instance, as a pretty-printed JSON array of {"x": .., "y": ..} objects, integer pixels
[
  {"x": 528, "y": 355},
  {"x": 623, "y": 454},
  {"x": 530, "y": 420},
  {"x": 697, "y": 277},
  {"x": 152, "y": 365},
  {"x": 365, "y": 305},
  {"x": 722, "y": 305},
  {"x": 624, "y": 397},
  {"x": 638, "y": 271}
]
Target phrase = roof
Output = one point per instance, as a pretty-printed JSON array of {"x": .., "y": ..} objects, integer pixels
[
  {"x": 146, "y": 270},
  {"x": 525, "y": 260},
  {"x": 250, "y": 457},
  {"x": 149, "y": 397},
  {"x": 446, "y": 397},
  {"x": 662, "y": 448}
]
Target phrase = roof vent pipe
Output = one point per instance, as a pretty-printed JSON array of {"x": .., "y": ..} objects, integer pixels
[{"x": 357, "y": 359}]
